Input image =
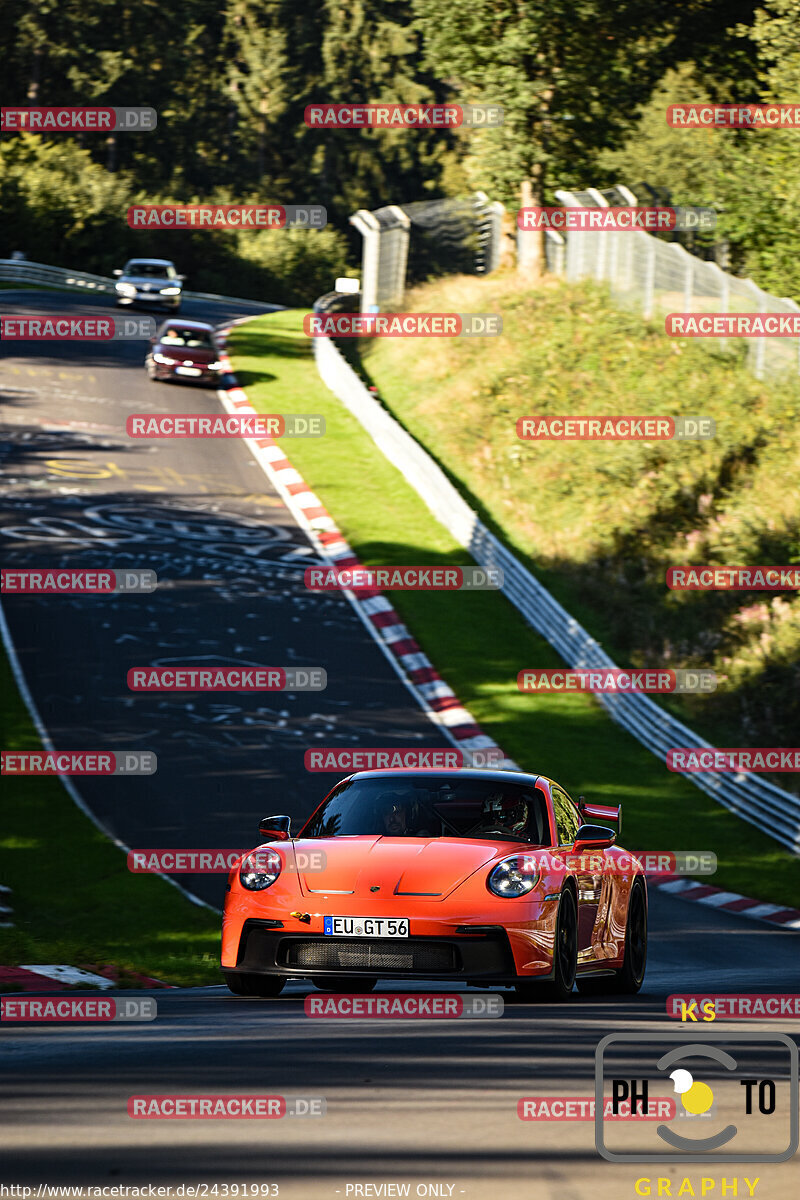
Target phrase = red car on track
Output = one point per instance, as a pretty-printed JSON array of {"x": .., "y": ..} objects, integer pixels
[
  {"x": 486, "y": 877},
  {"x": 184, "y": 350}
]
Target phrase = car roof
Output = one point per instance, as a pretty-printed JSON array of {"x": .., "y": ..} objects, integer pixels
[
  {"x": 157, "y": 262},
  {"x": 179, "y": 323},
  {"x": 462, "y": 773}
]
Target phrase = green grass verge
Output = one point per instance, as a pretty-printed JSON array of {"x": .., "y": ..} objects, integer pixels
[
  {"x": 73, "y": 899},
  {"x": 478, "y": 642}
]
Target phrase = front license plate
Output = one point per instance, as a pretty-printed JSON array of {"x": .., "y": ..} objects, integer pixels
[
  {"x": 367, "y": 926},
  {"x": 188, "y": 371}
]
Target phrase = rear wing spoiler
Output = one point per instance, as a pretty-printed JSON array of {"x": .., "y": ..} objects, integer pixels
[{"x": 601, "y": 812}]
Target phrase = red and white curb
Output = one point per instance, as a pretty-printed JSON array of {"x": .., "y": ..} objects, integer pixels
[
  {"x": 55, "y": 977},
  {"x": 436, "y": 698},
  {"x": 743, "y": 906}
]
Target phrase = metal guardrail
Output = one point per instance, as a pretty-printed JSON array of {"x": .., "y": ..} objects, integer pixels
[
  {"x": 750, "y": 797},
  {"x": 14, "y": 270}
]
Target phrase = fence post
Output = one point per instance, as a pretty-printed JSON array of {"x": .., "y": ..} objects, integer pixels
[
  {"x": 649, "y": 280},
  {"x": 369, "y": 229}
]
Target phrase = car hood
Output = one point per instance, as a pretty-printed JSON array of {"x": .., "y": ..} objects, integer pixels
[
  {"x": 139, "y": 280},
  {"x": 397, "y": 866}
]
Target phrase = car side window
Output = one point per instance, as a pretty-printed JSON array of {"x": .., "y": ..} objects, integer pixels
[{"x": 567, "y": 817}]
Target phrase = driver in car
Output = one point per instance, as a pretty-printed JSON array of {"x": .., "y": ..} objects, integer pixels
[{"x": 397, "y": 816}]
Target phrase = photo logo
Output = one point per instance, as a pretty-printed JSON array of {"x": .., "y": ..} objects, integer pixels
[{"x": 724, "y": 1090}]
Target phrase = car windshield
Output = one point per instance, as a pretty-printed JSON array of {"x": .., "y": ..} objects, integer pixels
[
  {"x": 193, "y": 339},
  {"x": 433, "y": 806},
  {"x": 150, "y": 270}
]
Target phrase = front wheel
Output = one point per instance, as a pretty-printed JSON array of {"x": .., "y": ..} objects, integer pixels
[
  {"x": 255, "y": 985},
  {"x": 628, "y": 979},
  {"x": 565, "y": 957}
]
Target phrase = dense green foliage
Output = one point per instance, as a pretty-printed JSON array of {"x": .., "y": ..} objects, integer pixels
[{"x": 583, "y": 84}]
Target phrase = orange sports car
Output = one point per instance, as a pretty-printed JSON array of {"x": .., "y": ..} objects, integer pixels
[{"x": 487, "y": 877}]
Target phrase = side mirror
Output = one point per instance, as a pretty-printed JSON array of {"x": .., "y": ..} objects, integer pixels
[
  {"x": 182, "y": 278},
  {"x": 275, "y": 829},
  {"x": 116, "y": 273},
  {"x": 593, "y": 837}
]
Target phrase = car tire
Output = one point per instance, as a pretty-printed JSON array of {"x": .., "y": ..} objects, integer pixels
[
  {"x": 565, "y": 953},
  {"x": 343, "y": 983},
  {"x": 627, "y": 980},
  {"x": 255, "y": 985}
]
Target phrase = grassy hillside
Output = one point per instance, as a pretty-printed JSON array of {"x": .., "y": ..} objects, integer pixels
[{"x": 600, "y": 522}]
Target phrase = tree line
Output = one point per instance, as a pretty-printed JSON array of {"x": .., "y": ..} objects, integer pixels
[{"x": 583, "y": 84}]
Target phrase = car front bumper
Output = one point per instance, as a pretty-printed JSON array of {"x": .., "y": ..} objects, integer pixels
[{"x": 484, "y": 956}]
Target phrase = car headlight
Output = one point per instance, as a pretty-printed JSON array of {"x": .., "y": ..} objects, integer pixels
[
  {"x": 215, "y": 366},
  {"x": 514, "y": 876},
  {"x": 162, "y": 358},
  {"x": 126, "y": 289},
  {"x": 170, "y": 291},
  {"x": 259, "y": 870}
]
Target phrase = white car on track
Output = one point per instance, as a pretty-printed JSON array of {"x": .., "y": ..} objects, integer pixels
[{"x": 150, "y": 281}]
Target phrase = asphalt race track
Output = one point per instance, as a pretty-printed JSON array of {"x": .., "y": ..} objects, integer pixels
[
  {"x": 422, "y": 1102},
  {"x": 77, "y": 492}
]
